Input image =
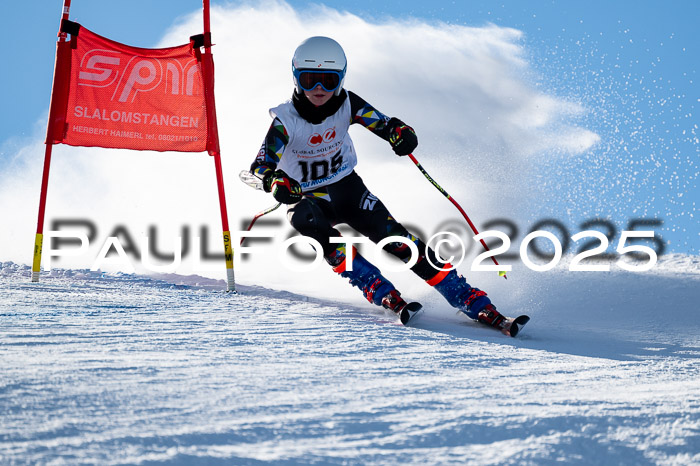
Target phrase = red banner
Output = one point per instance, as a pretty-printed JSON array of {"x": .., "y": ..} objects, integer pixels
[{"x": 132, "y": 98}]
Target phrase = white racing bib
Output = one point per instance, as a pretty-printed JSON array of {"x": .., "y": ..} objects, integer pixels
[{"x": 316, "y": 155}]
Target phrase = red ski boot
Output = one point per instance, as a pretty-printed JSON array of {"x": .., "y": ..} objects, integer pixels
[
  {"x": 490, "y": 316},
  {"x": 394, "y": 301},
  {"x": 405, "y": 311},
  {"x": 509, "y": 326}
]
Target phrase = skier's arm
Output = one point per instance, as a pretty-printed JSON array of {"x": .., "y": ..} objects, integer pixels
[
  {"x": 366, "y": 115},
  {"x": 283, "y": 188},
  {"x": 271, "y": 150},
  {"x": 401, "y": 136}
]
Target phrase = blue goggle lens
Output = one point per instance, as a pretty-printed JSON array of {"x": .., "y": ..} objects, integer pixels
[{"x": 308, "y": 80}]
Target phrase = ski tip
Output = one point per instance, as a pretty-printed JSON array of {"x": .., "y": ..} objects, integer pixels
[
  {"x": 517, "y": 325},
  {"x": 409, "y": 312}
]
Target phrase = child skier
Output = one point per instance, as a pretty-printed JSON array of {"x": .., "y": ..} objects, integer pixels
[{"x": 307, "y": 161}]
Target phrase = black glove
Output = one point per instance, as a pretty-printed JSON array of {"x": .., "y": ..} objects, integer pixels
[
  {"x": 401, "y": 137},
  {"x": 283, "y": 188}
]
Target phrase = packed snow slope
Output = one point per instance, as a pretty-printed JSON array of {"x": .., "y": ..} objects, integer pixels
[{"x": 114, "y": 368}]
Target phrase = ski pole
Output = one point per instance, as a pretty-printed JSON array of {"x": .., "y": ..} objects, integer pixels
[
  {"x": 451, "y": 199},
  {"x": 257, "y": 216}
]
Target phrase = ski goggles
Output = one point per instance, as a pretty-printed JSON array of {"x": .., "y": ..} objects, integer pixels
[{"x": 309, "y": 79}]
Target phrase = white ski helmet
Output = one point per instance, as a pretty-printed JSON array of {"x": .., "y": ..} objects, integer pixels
[{"x": 321, "y": 54}]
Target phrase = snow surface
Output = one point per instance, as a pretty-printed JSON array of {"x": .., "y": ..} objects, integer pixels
[{"x": 115, "y": 368}]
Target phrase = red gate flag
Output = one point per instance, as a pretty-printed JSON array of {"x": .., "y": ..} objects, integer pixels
[
  {"x": 124, "y": 97},
  {"x": 107, "y": 94}
]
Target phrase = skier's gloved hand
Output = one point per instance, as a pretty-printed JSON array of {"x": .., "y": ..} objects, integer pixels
[
  {"x": 401, "y": 137},
  {"x": 283, "y": 188}
]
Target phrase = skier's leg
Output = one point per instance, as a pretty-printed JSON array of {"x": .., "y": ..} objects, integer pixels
[
  {"x": 355, "y": 205},
  {"x": 312, "y": 217},
  {"x": 365, "y": 276},
  {"x": 370, "y": 217},
  {"x": 452, "y": 286},
  {"x": 472, "y": 301}
]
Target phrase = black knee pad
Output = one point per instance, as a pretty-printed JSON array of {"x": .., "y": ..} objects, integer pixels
[{"x": 309, "y": 219}]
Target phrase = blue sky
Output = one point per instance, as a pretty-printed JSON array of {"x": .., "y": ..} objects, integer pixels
[
  {"x": 635, "y": 61},
  {"x": 640, "y": 31}
]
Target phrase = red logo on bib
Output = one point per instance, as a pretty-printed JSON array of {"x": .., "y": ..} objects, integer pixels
[
  {"x": 316, "y": 139},
  {"x": 329, "y": 135}
]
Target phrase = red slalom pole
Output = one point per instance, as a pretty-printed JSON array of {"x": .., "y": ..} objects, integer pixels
[
  {"x": 451, "y": 199},
  {"x": 257, "y": 216},
  {"x": 39, "y": 238},
  {"x": 213, "y": 148}
]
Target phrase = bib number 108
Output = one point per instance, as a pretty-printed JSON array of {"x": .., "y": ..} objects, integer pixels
[{"x": 320, "y": 169}]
